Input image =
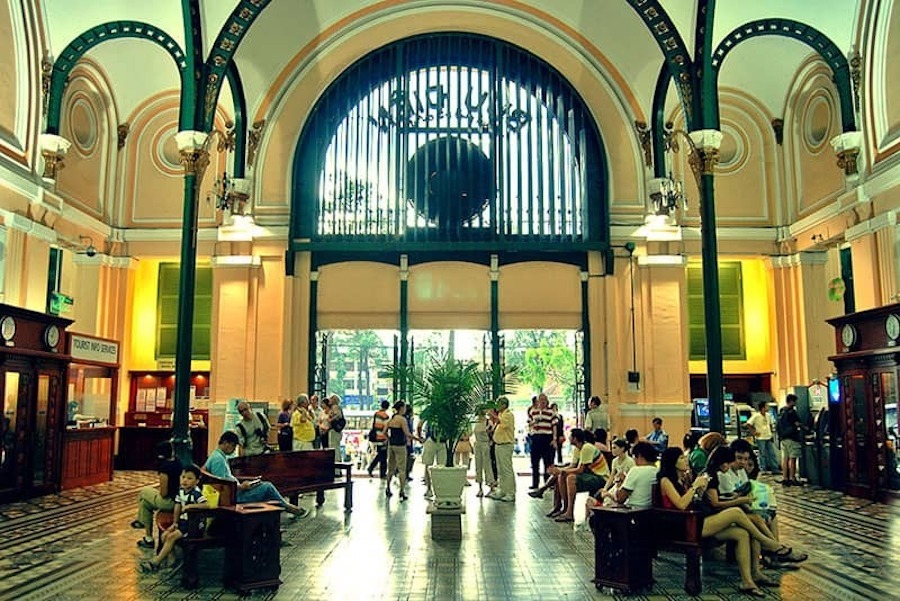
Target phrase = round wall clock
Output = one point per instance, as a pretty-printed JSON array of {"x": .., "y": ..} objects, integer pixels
[
  {"x": 892, "y": 327},
  {"x": 51, "y": 337},
  {"x": 7, "y": 328},
  {"x": 849, "y": 336}
]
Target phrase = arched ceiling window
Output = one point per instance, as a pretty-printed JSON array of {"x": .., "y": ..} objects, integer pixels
[{"x": 450, "y": 138}]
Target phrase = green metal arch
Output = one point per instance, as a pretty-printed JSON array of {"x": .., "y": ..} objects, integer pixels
[
  {"x": 657, "y": 120},
  {"x": 97, "y": 35},
  {"x": 674, "y": 51},
  {"x": 221, "y": 54},
  {"x": 801, "y": 32}
]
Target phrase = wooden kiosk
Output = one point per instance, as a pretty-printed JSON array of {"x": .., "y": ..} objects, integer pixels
[{"x": 868, "y": 370}]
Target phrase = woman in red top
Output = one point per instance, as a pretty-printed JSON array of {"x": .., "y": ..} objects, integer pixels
[{"x": 679, "y": 491}]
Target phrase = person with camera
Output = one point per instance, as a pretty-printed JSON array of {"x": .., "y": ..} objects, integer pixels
[
  {"x": 302, "y": 425},
  {"x": 252, "y": 431}
]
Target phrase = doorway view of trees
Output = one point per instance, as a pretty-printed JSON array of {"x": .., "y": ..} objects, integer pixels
[{"x": 544, "y": 361}]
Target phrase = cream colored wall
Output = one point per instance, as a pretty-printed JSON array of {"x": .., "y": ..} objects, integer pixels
[{"x": 9, "y": 68}]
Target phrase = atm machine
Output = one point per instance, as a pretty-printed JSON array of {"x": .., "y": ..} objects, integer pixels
[
  {"x": 811, "y": 401},
  {"x": 832, "y": 441}
]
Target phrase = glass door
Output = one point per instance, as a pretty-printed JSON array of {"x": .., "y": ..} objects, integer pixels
[
  {"x": 859, "y": 459},
  {"x": 14, "y": 405},
  {"x": 39, "y": 434},
  {"x": 887, "y": 436}
]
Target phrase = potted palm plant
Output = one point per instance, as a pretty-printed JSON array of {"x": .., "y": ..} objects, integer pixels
[{"x": 447, "y": 393}]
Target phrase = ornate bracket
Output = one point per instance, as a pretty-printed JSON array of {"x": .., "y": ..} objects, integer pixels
[
  {"x": 122, "y": 131},
  {"x": 253, "y": 138},
  {"x": 646, "y": 142},
  {"x": 703, "y": 148}
]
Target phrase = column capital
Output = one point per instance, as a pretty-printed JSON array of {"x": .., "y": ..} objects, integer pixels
[
  {"x": 193, "y": 147},
  {"x": 54, "y": 149},
  {"x": 846, "y": 148},
  {"x": 706, "y": 144}
]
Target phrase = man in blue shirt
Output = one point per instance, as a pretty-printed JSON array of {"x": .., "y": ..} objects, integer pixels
[
  {"x": 247, "y": 491},
  {"x": 658, "y": 437}
]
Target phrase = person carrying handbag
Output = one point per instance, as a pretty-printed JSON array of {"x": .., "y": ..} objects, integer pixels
[{"x": 378, "y": 440}]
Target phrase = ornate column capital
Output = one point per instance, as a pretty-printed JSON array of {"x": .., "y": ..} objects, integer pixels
[
  {"x": 846, "y": 147},
  {"x": 53, "y": 149},
  {"x": 706, "y": 143},
  {"x": 193, "y": 146}
]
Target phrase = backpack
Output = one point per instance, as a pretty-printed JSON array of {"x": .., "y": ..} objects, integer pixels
[
  {"x": 339, "y": 424},
  {"x": 262, "y": 431},
  {"x": 785, "y": 426}
]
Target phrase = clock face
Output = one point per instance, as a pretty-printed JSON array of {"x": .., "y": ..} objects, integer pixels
[
  {"x": 892, "y": 326},
  {"x": 848, "y": 336},
  {"x": 7, "y": 328},
  {"x": 51, "y": 337}
]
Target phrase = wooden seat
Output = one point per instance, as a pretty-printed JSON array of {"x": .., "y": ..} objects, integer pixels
[
  {"x": 207, "y": 528},
  {"x": 296, "y": 472}
]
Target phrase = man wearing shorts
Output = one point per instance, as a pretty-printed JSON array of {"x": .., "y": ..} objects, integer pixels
[{"x": 790, "y": 430}]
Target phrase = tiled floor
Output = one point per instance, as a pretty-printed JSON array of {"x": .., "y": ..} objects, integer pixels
[{"x": 78, "y": 545}]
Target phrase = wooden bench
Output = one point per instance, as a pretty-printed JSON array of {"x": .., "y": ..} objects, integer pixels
[
  {"x": 682, "y": 531},
  {"x": 297, "y": 472},
  {"x": 203, "y": 532}
]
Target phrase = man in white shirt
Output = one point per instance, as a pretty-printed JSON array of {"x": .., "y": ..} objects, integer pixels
[
  {"x": 637, "y": 490},
  {"x": 760, "y": 428}
]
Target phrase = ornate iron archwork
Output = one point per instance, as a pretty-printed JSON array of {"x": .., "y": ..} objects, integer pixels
[
  {"x": 810, "y": 36},
  {"x": 97, "y": 35},
  {"x": 450, "y": 138}
]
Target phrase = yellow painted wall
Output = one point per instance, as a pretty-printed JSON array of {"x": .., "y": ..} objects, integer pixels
[
  {"x": 142, "y": 350},
  {"x": 757, "y": 286}
]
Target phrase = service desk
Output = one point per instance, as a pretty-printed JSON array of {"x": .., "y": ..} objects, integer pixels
[
  {"x": 87, "y": 456},
  {"x": 137, "y": 443}
]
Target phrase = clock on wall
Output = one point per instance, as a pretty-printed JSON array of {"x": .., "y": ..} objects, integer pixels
[
  {"x": 892, "y": 328},
  {"x": 849, "y": 336},
  {"x": 51, "y": 337},
  {"x": 8, "y": 329}
]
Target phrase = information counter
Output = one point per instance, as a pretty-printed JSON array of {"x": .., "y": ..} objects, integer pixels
[{"x": 87, "y": 456}]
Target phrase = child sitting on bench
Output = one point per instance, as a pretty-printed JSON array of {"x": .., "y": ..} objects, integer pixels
[{"x": 189, "y": 497}]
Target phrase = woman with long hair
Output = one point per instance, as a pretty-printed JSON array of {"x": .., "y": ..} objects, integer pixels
[
  {"x": 680, "y": 490},
  {"x": 398, "y": 437}
]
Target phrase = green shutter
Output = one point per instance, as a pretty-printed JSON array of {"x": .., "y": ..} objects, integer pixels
[
  {"x": 167, "y": 312},
  {"x": 731, "y": 309}
]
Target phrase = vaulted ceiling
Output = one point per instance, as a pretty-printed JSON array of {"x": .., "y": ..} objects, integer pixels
[{"x": 289, "y": 33}]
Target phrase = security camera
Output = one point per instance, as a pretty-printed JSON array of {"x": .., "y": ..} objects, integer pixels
[{"x": 90, "y": 250}]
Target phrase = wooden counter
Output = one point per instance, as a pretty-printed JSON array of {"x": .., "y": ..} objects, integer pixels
[
  {"x": 87, "y": 457},
  {"x": 136, "y": 446}
]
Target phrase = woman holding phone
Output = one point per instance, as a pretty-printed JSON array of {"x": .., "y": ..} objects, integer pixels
[{"x": 680, "y": 491}]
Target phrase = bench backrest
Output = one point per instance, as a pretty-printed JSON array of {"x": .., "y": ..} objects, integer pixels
[
  {"x": 675, "y": 525},
  {"x": 227, "y": 490},
  {"x": 288, "y": 469}
]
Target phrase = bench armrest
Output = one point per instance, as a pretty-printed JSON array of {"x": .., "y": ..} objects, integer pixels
[{"x": 679, "y": 525}]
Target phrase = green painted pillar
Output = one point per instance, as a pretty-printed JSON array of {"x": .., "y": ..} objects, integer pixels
[
  {"x": 195, "y": 158},
  {"x": 582, "y": 403},
  {"x": 404, "y": 321},
  {"x": 496, "y": 380},
  {"x": 313, "y": 331},
  {"x": 711, "y": 305}
]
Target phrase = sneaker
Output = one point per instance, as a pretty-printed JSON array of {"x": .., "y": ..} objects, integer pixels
[
  {"x": 146, "y": 544},
  {"x": 787, "y": 482},
  {"x": 494, "y": 495}
]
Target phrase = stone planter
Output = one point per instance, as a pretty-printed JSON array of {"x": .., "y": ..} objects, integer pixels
[{"x": 447, "y": 484}]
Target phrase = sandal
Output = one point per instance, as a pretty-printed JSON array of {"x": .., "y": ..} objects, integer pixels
[
  {"x": 148, "y": 567},
  {"x": 752, "y": 591},
  {"x": 563, "y": 518},
  {"x": 787, "y": 554},
  {"x": 137, "y": 524},
  {"x": 554, "y": 513}
]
